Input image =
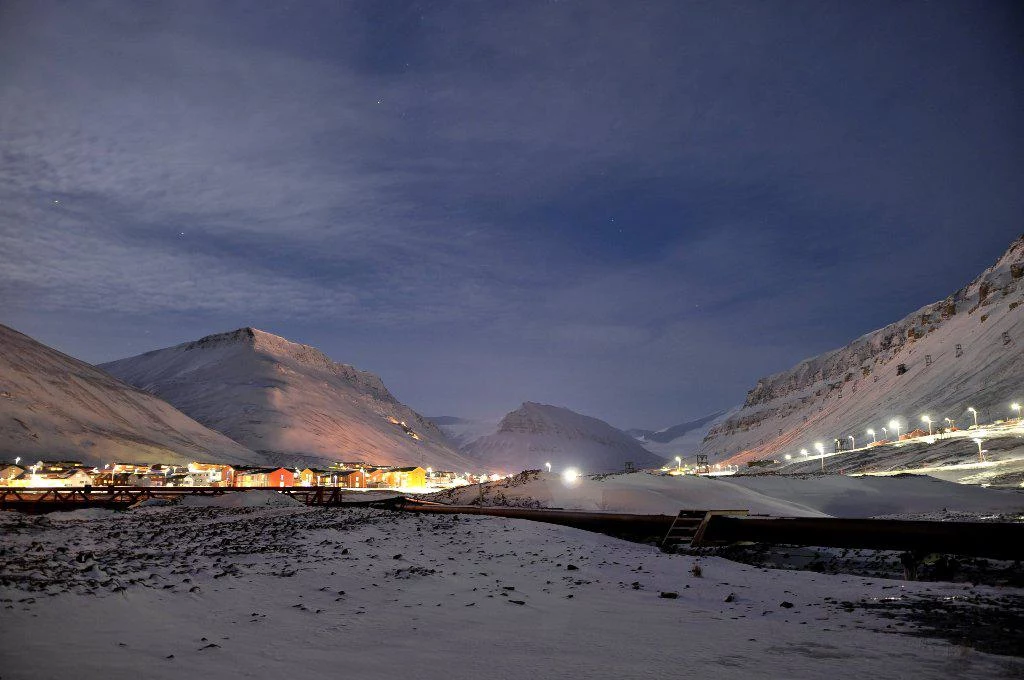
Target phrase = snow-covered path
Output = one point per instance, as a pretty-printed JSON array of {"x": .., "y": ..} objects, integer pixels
[{"x": 276, "y": 591}]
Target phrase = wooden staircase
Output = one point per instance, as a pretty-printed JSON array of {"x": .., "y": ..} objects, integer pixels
[{"x": 689, "y": 526}]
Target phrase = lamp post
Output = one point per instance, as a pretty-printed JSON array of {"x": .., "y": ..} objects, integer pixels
[
  {"x": 679, "y": 463},
  {"x": 885, "y": 433},
  {"x": 981, "y": 454},
  {"x": 951, "y": 423},
  {"x": 1016, "y": 407},
  {"x": 803, "y": 452},
  {"x": 853, "y": 442},
  {"x": 928, "y": 420},
  {"x": 820, "y": 448},
  {"x": 895, "y": 424},
  {"x": 874, "y": 439},
  {"x": 975, "y": 414},
  {"x": 549, "y": 466}
]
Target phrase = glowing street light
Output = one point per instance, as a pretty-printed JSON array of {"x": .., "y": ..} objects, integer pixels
[
  {"x": 570, "y": 475},
  {"x": 803, "y": 452},
  {"x": 549, "y": 466},
  {"x": 951, "y": 423},
  {"x": 820, "y": 448},
  {"x": 885, "y": 433},
  {"x": 928, "y": 420},
  {"x": 974, "y": 413},
  {"x": 895, "y": 424},
  {"x": 1016, "y": 407},
  {"x": 853, "y": 442},
  {"x": 788, "y": 457},
  {"x": 873, "y": 437},
  {"x": 981, "y": 454},
  {"x": 17, "y": 460},
  {"x": 679, "y": 463}
]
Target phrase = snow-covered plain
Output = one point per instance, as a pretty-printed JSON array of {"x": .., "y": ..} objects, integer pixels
[
  {"x": 273, "y": 591},
  {"x": 783, "y": 496}
]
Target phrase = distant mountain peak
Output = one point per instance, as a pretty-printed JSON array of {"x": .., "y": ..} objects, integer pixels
[{"x": 536, "y": 433}]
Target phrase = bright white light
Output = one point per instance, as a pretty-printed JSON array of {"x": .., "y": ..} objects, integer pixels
[
  {"x": 570, "y": 475},
  {"x": 788, "y": 457},
  {"x": 803, "y": 452},
  {"x": 549, "y": 466},
  {"x": 819, "y": 447}
]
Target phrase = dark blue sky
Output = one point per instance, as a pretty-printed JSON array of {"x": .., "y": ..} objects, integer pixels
[{"x": 633, "y": 209}]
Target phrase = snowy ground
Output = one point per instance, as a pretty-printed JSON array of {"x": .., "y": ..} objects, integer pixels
[
  {"x": 784, "y": 496},
  {"x": 171, "y": 592}
]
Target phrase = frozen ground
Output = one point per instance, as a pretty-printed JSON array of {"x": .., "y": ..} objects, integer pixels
[
  {"x": 788, "y": 496},
  {"x": 260, "y": 592}
]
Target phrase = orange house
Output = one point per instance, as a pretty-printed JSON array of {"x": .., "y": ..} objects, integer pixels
[
  {"x": 349, "y": 479},
  {"x": 376, "y": 476},
  {"x": 276, "y": 477},
  {"x": 405, "y": 477}
]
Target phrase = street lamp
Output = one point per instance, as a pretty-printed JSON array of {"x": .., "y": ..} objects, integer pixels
[
  {"x": 679, "y": 463},
  {"x": 981, "y": 454},
  {"x": 885, "y": 433},
  {"x": 549, "y": 466},
  {"x": 975, "y": 414},
  {"x": 1016, "y": 407},
  {"x": 895, "y": 424},
  {"x": 17, "y": 460},
  {"x": 820, "y": 448},
  {"x": 874, "y": 439},
  {"x": 788, "y": 457},
  {"x": 853, "y": 442},
  {"x": 928, "y": 420},
  {"x": 952, "y": 424},
  {"x": 803, "y": 452}
]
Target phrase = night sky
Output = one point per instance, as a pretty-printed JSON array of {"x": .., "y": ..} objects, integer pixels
[{"x": 632, "y": 209}]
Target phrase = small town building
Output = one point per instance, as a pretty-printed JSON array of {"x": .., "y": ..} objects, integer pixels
[
  {"x": 405, "y": 477},
  {"x": 264, "y": 476},
  {"x": 348, "y": 479},
  {"x": 9, "y": 472},
  {"x": 313, "y": 477},
  {"x": 212, "y": 474}
]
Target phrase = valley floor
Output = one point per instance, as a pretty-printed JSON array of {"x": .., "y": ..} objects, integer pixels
[{"x": 263, "y": 592}]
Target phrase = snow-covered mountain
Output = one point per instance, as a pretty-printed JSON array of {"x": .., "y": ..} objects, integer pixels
[
  {"x": 462, "y": 431},
  {"x": 684, "y": 439},
  {"x": 961, "y": 352},
  {"x": 280, "y": 397},
  {"x": 535, "y": 434},
  {"x": 53, "y": 406}
]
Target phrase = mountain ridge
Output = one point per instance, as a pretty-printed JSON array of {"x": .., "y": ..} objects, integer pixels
[
  {"x": 957, "y": 352},
  {"x": 534, "y": 434},
  {"x": 53, "y": 405},
  {"x": 289, "y": 399}
]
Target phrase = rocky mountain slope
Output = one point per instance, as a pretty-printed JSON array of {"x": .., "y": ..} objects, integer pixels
[
  {"x": 287, "y": 399},
  {"x": 963, "y": 351},
  {"x": 53, "y": 406},
  {"x": 535, "y": 434}
]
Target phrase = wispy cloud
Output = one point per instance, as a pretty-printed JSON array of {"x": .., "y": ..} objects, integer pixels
[{"x": 572, "y": 187}]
